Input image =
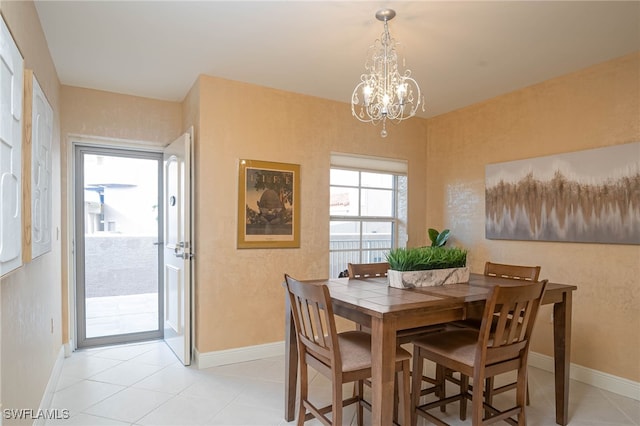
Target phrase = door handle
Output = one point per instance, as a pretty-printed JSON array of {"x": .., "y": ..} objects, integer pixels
[
  {"x": 182, "y": 254},
  {"x": 179, "y": 251}
]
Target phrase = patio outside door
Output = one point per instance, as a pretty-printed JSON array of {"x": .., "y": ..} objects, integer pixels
[{"x": 119, "y": 218}]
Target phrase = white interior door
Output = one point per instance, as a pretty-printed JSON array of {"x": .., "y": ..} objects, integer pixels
[{"x": 177, "y": 247}]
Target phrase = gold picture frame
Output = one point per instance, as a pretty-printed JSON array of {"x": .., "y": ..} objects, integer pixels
[{"x": 268, "y": 204}]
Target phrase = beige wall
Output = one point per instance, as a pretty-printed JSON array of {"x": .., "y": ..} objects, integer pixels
[
  {"x": 114, "y": 116},
  {"x": 31, "y": 296},
  {"x": 596, "y": 107},
  {"x": 243, "y": 121}
]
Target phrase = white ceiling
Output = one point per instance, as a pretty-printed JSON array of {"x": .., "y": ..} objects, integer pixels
[{"x": 459, "y": 52}]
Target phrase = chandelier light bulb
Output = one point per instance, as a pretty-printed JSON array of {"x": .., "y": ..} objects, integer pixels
[
  {"x": 384, "y": 91},
  {"x": 366, "y": 93}
]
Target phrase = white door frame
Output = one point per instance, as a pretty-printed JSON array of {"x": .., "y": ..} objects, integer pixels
[
  {"x": 72, "y": 141},
  {"x": 80, "y": 274}
]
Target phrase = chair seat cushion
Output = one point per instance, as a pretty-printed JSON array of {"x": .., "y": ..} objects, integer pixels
[
  {"x": 458, "y": 345},
  {"x": 355, "y": 351}
]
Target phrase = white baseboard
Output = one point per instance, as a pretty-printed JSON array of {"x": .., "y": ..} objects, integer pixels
[
  {"x": 232, "y": 356},
  {"x": 605, "y": 381},
  {"x": 582, "y": 374},
  {"x": 47, "y": 397}
]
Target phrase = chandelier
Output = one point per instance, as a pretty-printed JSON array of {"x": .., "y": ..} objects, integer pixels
[{"x": 385, "y": 92}]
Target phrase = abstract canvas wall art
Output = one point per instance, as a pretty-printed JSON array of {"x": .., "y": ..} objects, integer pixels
[{"x": 590, "y": 196}]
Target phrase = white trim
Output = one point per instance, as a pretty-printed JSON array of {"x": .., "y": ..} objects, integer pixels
[
  {"x": 47, "y": 397},
  {"x": 108, "y": 142},
  {"x": 232, "y": 356},
  {"x": 605, "y": 381},
  {"x": 582, "y": 374}
]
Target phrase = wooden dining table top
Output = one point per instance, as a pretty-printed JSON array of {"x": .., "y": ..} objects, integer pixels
[{"x": 374, "y": 297}]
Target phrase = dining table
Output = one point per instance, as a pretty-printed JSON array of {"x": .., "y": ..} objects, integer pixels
[{"x": 386, "y": 310}]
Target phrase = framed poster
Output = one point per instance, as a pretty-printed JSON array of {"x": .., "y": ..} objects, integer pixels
[{"x": 268, "y": 205}]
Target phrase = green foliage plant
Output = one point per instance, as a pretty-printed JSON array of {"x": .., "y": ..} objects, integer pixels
[
  {"x": 424, "y": 258},
  {"x": 438, "y": 239}
]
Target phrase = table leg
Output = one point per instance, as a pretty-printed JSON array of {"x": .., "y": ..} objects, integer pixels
[
  {"x": 562, "y": 355},
  {"x": 383, "y": 345},
  {"x": 290, "y": 363}
]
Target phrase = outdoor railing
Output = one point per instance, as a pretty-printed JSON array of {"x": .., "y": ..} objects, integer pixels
[{"x": 347, "y": 250}]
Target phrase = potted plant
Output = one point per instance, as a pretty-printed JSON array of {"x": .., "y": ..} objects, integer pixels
[
  {"x": 438, "y": 239},
  {"x": 427, "y": 266}
]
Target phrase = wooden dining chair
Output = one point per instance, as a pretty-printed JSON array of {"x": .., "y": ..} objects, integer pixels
[
  {"x": 512, "y": 272},
  {"x": 496, "y": 347},
  {"x": 367, "y": 270},
  {"x": 341, "y": 357},
  {"x": 527, "y": 274}
]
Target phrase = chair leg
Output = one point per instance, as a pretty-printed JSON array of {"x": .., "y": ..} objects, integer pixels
[
  {"x": 416, "y": 384},
  {"x": 441, "y": 387},
  {"x": 336, "y": 404},
  {"x": 464, "y": 389},
  {"x": 488, "y": 393},
  {"x": 360, "y": 394},
  {"x": 396, "y": 397},
  {"x": 521, "y": 391},
  {"x": 304, "y": 393},
  {"x": 404, "y": 394},
  {"x": 476, "y": 401}
]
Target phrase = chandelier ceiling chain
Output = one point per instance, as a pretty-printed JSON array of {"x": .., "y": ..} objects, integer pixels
[{"x": 385, "y": 92}]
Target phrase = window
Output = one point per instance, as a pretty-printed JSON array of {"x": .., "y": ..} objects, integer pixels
[{"x": 367, "y": 209}]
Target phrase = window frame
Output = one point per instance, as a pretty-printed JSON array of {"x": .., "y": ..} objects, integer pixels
[{"x": 394, "y": 219}]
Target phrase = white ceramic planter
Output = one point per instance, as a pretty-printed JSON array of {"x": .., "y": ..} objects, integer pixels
[{"x": 429, "y": 278}]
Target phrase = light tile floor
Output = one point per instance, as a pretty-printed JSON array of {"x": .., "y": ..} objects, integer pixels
[{"x": 144, "y": 384}]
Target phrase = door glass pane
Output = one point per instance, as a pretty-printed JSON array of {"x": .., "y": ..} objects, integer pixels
[{"x": 121, "y": 257}]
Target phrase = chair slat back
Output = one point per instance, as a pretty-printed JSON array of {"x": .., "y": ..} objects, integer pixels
[
  {"x": 368, "y": 270},
  {"x": 313, "y": 319},
  {"x": 508, "y": 320},
  {"x": 514, "y": 272}
]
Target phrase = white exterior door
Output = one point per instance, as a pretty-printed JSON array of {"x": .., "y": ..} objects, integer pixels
[
  {"x": 177, "y": 247},
  {"x": 11, "y": 78}
]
